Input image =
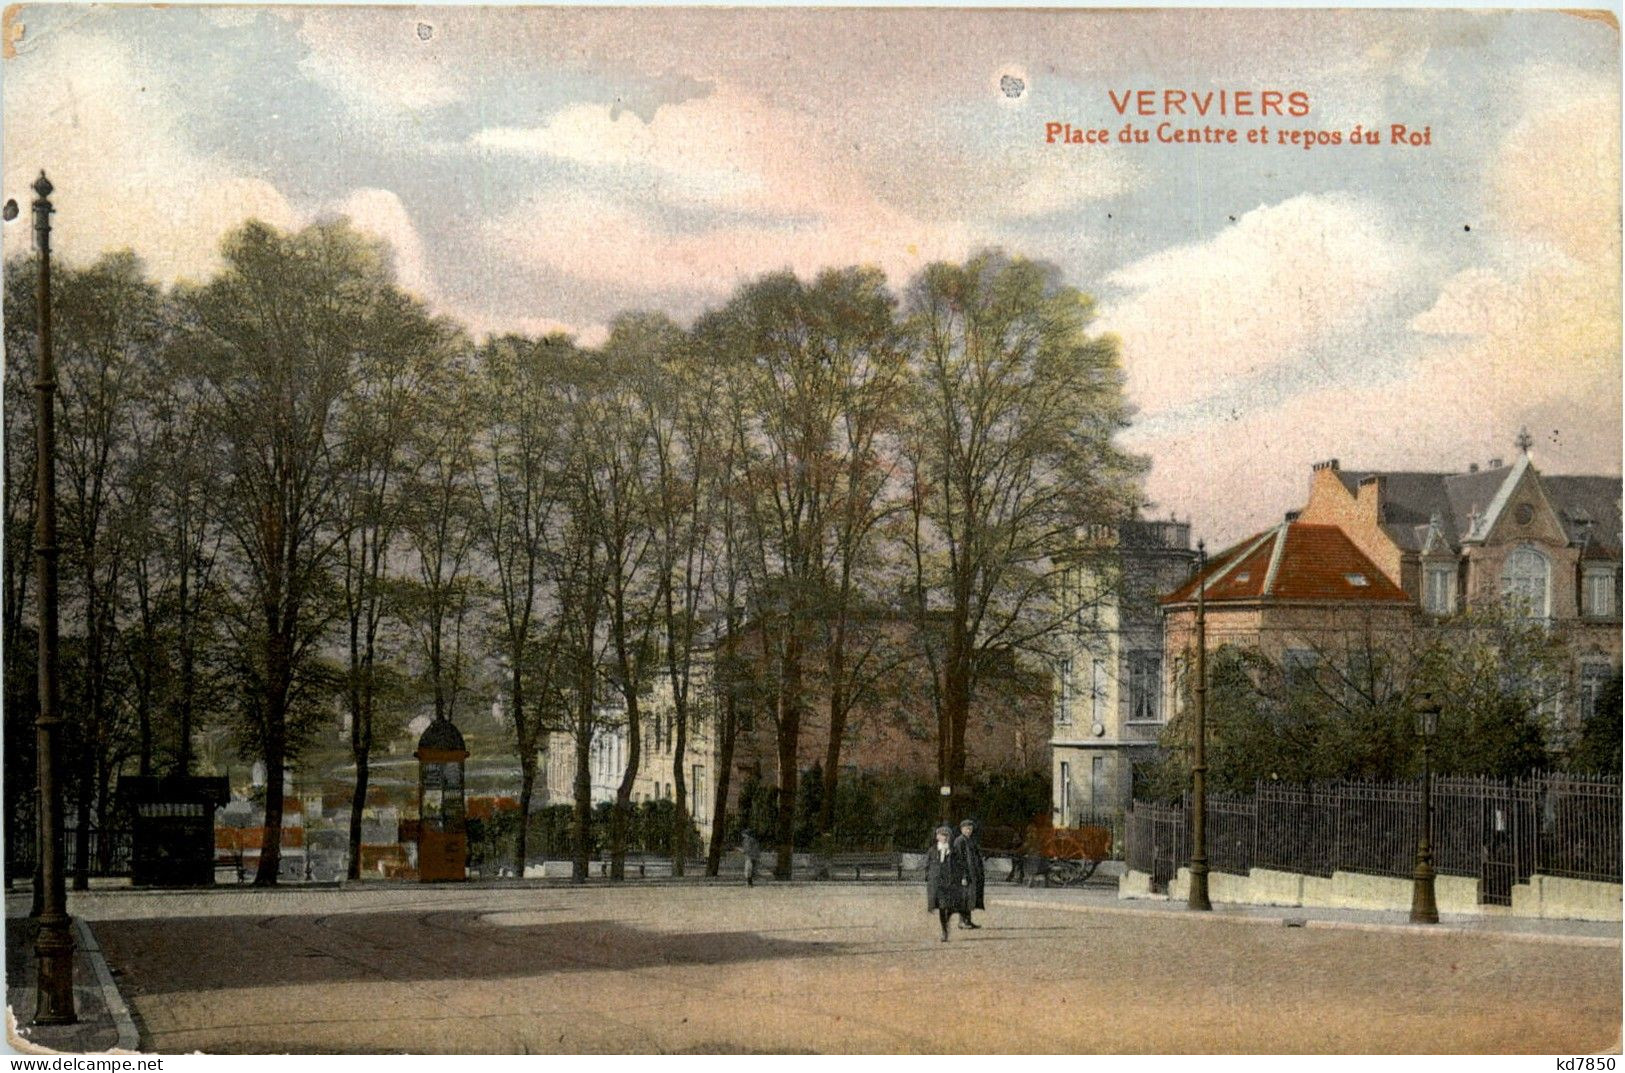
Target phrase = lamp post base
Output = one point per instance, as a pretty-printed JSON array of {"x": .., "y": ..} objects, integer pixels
[
  {"x": 53, "y": 1004},
  {"x": 1424, "y": 909},
  {"x": 1198, "y": 899}
]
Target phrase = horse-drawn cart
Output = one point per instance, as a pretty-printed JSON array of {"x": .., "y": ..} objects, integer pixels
[{"x": 1052, "y": 856}]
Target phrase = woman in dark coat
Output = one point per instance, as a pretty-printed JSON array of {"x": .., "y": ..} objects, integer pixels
[
  {"x": 944, "y": 879},
  {"x": 970, "y": 858}
]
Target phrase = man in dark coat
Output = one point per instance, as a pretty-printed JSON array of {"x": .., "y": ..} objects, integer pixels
[
  {"x": 944, "y": 879},
  {"x": 969, "y": 852}
]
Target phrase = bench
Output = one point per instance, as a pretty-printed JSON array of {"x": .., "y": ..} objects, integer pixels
[{"x": 857, "y": 862}]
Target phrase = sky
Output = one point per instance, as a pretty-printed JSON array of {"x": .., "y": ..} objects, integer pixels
[{"x": 546, "y": 169}]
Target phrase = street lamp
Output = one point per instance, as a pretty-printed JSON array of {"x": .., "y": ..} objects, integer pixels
[
  {"x": 53, "y": 944},
  {"x": 947, "y": 793},
  {"x": 1198, "y": 894},
  {"x": 1424, "y": 908}
]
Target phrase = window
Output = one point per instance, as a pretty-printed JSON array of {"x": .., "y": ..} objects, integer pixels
[
  {"x": 1063, "y": 692},
  {"x": 1097, "y": 783},
  {"x": 1066, "y": 792},
  {"x": 1144, "y": 687},
  {"x": 1524, "y": 582},
  {"x": 1593, "y": 676},
  {"x": 1097, "y": 691},
  {"x": 1439, "y": 588},
  {"x": 697, "y": 790},
  {"x": 1600, "y": 585},
  {"x": 1299, "y": 666},
  {"x": 1361, "y": 674}
]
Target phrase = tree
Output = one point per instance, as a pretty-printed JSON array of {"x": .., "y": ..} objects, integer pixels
[
  {"x": 21, "y": 702},
  {"x": 614, "y": 467},
  {"x": 681, "y": 397},
  {"x": 278, "y": 331},
  {"x": 868, "y": 356},
  {"x": 799, "y": 354},
  {"x": 177, "y": 556},
  {"x": 1598, "y": 747},
  {"x": 111, "y": 327},
  {"x": 438, "y": 525},
  {"x": 390, "y": 398},
  {"x": 1342, "y": 705},
  {"x": 1011, "y": 457},
  {"x": 520, "y": 489}
]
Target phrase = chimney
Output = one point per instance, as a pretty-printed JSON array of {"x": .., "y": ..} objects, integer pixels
[
  {"x": 1472, "y": 467},
  {"x": 1292, "y": 516},
  {"x": 1495, "y": 463},
  {"x": 1330, "y": 464},
  {"x": 1369, "y": 496}
]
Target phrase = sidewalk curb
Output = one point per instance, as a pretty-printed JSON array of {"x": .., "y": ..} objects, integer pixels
[
  {"x": 1287, "y": 919},
  {"x": 128, "y": 1038}
]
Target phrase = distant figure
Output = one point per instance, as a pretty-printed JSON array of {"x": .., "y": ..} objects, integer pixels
[
  {"x": 1018, "y": 859},
  {"x": 944, "y": 879},
  {"x": 752, "y": 849},
  {"x": 970, "y": 856}
]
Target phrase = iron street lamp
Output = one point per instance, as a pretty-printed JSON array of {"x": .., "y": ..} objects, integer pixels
[
  {"x": 1198, "y": 894},
  {"x": 1424, "y": 907},
  {"x": 53, "y": 945}
]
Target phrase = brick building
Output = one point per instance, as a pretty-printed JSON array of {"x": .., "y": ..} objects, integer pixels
[
  {"x": 890, "y": 730},
  {"x": 1379, "y": 552}
]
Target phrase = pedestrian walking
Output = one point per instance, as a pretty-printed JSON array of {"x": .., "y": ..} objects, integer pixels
[
  {"x": 752, "y": 849},
  {"x": 969, "y": 850},
  {"x": 944, "y": 879}
]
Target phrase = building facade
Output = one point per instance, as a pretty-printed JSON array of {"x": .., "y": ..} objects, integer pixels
[
  {"x": 1544, "y": 547},
  {"x": 1109, "y": 698},
  {"x": 1374, "y": 556}
]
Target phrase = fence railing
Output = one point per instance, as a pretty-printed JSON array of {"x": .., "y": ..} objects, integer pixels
[
  {"x": 108, "y": 851},
  {"x": 1500, "y": 831}
]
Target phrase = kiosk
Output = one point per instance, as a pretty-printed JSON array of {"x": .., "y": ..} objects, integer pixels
[
  {"x": 442, "y": 819},
  {"x": 171, "y": 828}
]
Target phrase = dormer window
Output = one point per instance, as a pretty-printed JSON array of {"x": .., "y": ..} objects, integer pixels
[
  {"x": 1359, "y": 581},
  {"x": 1439, "y": 588},
  {"x": 1243, "y": 577},
  {"x": 1601, "y": 585}
]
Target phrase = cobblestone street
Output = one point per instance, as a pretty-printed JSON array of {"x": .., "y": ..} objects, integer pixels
[{"x": 825, "y": 967}]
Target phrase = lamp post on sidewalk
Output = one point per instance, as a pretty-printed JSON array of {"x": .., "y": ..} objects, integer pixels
[
  {"x": 53, "y": 945},
  {"x": 1198, "y": 894},
  {"x": 1424, "y": 907}
]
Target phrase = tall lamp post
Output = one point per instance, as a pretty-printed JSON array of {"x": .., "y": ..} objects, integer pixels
[
  {"x": 53, "y": 945},
  {"x": 1424, "y": 907},
  {"x": 1198, "y": 895}
]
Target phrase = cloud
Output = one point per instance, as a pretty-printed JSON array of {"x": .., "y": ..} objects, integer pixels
[
  {"x": 397, "y": 61},
  {"x": 1539, "y": 319},
  {"x": 722, "y": 149},
  {"x": 1280, "y": 282},
  {"x": 380, "y": 213},
  {"x": 592, "y": 238},
  {"x": 1528, "y": 336},
  {"x": 114, "y": 145}
]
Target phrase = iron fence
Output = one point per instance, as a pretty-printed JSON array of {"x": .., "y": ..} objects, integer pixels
[
  {"x": 1579, "y": 828},
  {"x": 1231, "y": 833},
  {"x": 1499, "y": 831},
  {"x": 108, "y": 852}
]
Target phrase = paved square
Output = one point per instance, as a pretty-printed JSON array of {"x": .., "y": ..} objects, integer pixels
[{"x": 815, "y": 967}]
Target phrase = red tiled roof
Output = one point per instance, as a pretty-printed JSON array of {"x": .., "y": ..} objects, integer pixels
[{"x": 1293, "y": 561}]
